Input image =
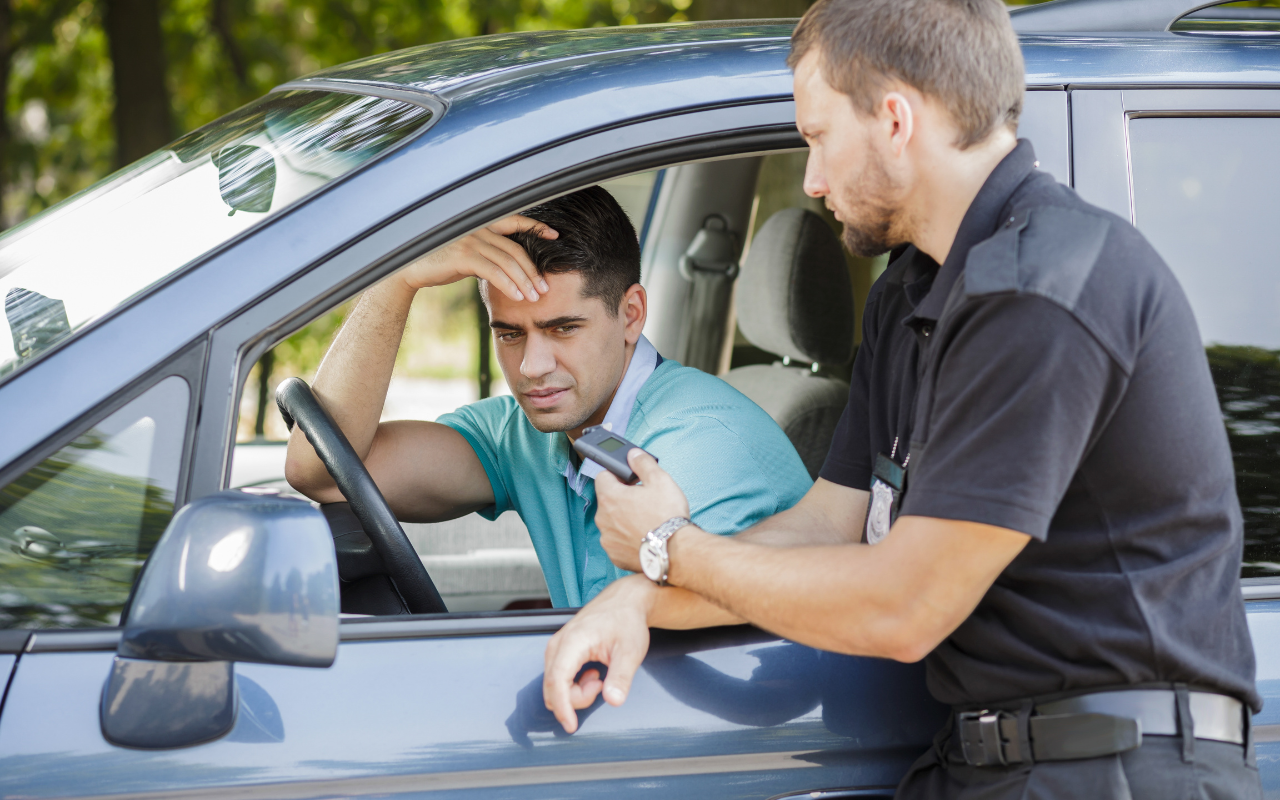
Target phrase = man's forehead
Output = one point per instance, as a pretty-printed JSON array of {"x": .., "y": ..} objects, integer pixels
[{"x": 564, "y": 301}]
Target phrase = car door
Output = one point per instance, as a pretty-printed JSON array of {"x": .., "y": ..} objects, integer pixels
[
  {"x": 1196, "y": 170},
  {"x": 453, "y": 703}
]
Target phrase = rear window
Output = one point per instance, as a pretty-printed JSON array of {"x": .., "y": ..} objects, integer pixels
[
  {"x": 84, "y": 257},
  {"x": 1205, "y": 192}
]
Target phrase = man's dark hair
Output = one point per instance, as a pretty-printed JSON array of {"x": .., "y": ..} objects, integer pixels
[
  {"x": 962, "y": 53},
  {"x": 596, "y": 239}
]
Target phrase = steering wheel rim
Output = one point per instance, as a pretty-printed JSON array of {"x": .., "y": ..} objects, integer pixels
[{"x": 298, "y": 405}]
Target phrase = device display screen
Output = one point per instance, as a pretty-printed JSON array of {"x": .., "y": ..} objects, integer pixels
[{"x": 609, "y": 445}]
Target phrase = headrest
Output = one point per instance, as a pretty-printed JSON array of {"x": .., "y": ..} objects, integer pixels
[{"x": 794, "y": 296}]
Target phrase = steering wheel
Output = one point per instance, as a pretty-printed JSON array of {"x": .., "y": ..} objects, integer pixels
[{"x": 298, "y": 404}]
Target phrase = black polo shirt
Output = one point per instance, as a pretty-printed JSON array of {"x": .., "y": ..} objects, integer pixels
[{"x": 1049, "y": 378}]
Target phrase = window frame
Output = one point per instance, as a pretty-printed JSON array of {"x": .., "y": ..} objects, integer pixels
[
  {"x": 188, "y": 365},
  {"x": 725, "y": 132}
]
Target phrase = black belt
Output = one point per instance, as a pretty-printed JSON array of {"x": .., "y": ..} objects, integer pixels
[{"x": 1093, "y": 725}]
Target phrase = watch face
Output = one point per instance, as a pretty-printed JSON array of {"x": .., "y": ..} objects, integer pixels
[{"x": 651, "y": 563}]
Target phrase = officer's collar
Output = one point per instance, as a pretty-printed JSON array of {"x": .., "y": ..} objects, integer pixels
[{"x": 979, "y": 223}]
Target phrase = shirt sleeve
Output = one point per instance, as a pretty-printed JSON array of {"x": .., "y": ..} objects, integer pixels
[
  {"x": 848, "y": 461},
  {"x": 482, "y": 425},
  {"x": 730, "y": 486},
  {"x": 1020, "y": 391}
]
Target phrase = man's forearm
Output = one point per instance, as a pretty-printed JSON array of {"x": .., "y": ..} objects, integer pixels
[{"x": 354, "y": 376}]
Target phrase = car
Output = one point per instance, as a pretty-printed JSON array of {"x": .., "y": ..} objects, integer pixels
[{"x": 234, "y": 663}]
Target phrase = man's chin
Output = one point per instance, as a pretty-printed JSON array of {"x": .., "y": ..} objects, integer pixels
[{"x": 553, "y": 420}]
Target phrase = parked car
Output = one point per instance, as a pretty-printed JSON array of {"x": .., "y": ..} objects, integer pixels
[{"x": 137, "y": 309}]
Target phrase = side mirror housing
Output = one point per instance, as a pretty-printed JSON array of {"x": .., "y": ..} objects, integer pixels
[{"x": 236, "y": 577}]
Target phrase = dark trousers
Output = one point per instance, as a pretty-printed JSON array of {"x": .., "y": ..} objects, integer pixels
[{"x": 1163, "y": 768}]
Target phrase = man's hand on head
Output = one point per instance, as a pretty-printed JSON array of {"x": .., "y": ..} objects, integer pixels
[
  {"x": 488, "y": 255},
  {"x": 612, "y": 629},
  {"x": 626, "y": 513}
]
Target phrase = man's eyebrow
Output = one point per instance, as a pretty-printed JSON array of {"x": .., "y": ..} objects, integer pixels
[
  {"x": 498, "y": 324},
  {"x": 558, "y": 321}
]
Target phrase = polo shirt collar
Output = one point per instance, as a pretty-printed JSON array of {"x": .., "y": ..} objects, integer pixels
[
  {"x": 644, "y": 361},
  {"x": 980, "y": 222}
]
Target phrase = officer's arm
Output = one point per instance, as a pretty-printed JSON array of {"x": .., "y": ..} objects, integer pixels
[{"x": 906, "y": 594}]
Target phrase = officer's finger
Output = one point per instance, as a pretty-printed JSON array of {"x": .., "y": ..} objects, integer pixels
[
  {"x": 626, "y": 659},
  {"x": 529, "y": 271},
  {"x": 518, "y": 223},
  {"x": 606, "y": 483},
  {"x": 645, "y": 465}
]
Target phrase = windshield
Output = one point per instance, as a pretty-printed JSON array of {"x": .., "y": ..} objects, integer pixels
[{"x": 89, "y": 254}]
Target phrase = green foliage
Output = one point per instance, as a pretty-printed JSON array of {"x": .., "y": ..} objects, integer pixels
[
  {"x": 1248, "y": 383},
  {"x": 220, "y": 55}
]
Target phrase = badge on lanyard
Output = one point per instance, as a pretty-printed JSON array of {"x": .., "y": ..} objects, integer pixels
[{"x": 888, "y": 481}]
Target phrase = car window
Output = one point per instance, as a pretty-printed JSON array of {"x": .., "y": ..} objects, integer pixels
[
  {"x": 85, "y": 256},
  {"x": 76, "y": 528},
  {"x": 1205, "y": 191}
]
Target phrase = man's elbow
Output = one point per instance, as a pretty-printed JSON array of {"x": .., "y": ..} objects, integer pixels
[{"x": 306, "y": 475}]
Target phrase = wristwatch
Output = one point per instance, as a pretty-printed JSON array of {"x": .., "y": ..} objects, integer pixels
[{"x": 653, "y": 549}]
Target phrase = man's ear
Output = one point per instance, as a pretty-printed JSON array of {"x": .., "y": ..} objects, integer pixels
[
  {"x": 898, "y": 113},
  {"x": 634, "y": 310}
]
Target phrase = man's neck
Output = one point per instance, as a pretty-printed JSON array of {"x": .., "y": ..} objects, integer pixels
[
  {"x": 600, "y": 412},
  {"x": 947, "y": 188}
]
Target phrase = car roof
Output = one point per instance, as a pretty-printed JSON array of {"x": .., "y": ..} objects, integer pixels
[{"x": 482, "y": 66}]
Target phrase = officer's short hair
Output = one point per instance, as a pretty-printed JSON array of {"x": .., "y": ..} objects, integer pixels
[
  {"x": 962, "y": 53},
  {"x": 596, "y": 240}
]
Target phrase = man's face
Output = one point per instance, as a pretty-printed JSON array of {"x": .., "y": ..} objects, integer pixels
[
  {"x": 564, "y": 355},
  {"x": 848, "y": 163}
]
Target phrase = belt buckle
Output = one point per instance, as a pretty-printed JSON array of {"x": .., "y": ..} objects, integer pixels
[{"x": 980, "y": 738}]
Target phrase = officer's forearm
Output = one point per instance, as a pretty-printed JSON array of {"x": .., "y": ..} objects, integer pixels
[
  {"x": 897, "y": 599},
  {"x": 827, "y": 514}
]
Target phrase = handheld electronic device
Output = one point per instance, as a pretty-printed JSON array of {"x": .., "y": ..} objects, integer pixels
[{"x": 609, "y": 450}]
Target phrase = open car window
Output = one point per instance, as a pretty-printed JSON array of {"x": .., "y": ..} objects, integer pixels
[{"x": 89, "y": 254}]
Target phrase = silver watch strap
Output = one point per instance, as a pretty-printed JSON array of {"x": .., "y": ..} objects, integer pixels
[{"x": 665, "y": 531}]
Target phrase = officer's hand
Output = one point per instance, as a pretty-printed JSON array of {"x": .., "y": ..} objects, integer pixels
[
  {"x": 486, "y": 254},
  {"x": 626, "y": 513},
  {"x": 612, "y": 629}
]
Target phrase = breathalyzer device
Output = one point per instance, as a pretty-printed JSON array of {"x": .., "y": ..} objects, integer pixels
[{"x": 609, "y": 450}]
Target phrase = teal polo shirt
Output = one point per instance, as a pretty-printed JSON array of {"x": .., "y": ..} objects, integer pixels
[{"x": 732, "y": 460}]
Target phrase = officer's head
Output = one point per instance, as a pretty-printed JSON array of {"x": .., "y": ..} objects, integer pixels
[
  {"x": 892, "y": 95},
  {"x": 564, "y": 355}
]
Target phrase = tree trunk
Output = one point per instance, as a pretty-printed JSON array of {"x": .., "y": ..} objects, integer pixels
[
  {"x": 6, "y": 63},
  {"x": 265, "y": 365},
  {"x": 482, "y": 318},
  {"x": 143, "y": 119}
]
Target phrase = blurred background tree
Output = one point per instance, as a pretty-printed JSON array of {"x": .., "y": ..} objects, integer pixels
[{"x": 92, "y": 85}]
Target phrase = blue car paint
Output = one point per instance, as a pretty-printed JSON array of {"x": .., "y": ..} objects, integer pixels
[
  {"x": 753, "y": 715},
  {"x": 461, "y": 715}
]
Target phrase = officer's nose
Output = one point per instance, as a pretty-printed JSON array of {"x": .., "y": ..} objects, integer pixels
[{"x": 815, "y": 183}]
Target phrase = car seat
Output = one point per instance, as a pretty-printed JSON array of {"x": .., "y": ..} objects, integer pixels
[{"x": 795, "y": 299}]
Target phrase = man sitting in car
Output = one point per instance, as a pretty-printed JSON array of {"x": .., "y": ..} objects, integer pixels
[{"x": 562, "y": 285}]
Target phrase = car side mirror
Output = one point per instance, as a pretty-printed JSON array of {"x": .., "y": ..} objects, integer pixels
[
  {"x": 246, "y": 178},
  {"x": 236, "y": 577}
]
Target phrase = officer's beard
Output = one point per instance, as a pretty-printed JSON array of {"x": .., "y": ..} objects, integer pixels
[{"x": 874, "y": 222}]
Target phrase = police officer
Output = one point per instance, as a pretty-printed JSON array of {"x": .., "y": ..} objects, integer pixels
[{"x": 1030, "y": 488}]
